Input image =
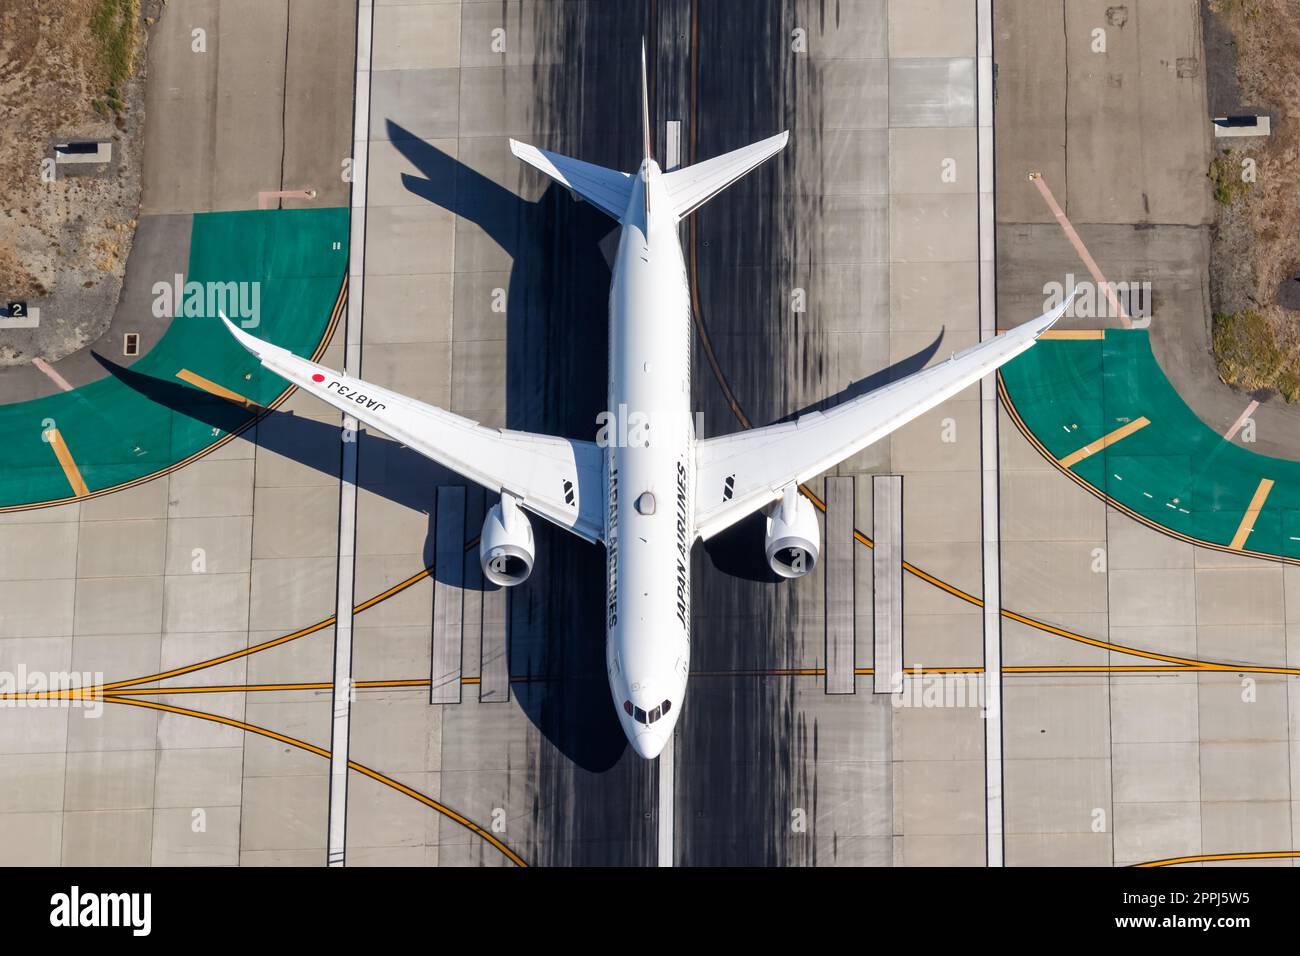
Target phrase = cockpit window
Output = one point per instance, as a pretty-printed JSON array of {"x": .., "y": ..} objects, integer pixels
[{"x": 647, "y": 717}]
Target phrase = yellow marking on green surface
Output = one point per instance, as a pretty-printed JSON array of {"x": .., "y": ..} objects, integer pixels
[
  {"x": 212, "y": 388},
  {"x": 1072, "y": 459},
  {"x": 70, "y": 468},
  {"x": 1252, "y": 514},
  {"x": 1074, "y": 335}
]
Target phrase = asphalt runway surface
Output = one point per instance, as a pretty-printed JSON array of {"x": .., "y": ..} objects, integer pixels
[{"x": 722, "y": 69}]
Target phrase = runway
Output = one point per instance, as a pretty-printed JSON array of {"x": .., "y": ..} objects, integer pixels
[{"x": 206, "y": 600}]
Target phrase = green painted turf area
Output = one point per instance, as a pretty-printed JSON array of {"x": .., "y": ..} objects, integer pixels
[
  {"x": 130, "y": 425},
  {"x": 1176, "y": 471}
]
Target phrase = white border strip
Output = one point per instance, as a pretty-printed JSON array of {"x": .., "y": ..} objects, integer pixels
[
  {"x": 993, "y": 808},
  {"x": 339, "y": 732},
  {"x": 666, "y": 779}
]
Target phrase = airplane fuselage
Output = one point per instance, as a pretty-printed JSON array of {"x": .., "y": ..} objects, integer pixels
[{"x": 648, "y": 441}]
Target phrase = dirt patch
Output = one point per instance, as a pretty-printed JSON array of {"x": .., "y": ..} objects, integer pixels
[
  {"x": 1256, "y": 247},
  {"x": 68, "y": 70}
]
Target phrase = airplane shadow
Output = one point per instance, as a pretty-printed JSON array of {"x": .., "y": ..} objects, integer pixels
[
  {"x": 555, "y": 368},
  {"x": 556, "y": 339}
]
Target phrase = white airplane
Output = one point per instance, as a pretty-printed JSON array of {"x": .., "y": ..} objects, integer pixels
[{"x": 648, "y": 493}]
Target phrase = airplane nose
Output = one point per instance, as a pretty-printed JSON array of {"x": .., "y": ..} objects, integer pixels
[{"x": 648, "y": 745}]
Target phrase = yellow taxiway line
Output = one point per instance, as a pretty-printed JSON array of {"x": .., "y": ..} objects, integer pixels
[
  {"x": 375, "y": 775},
  {"x": 97, "y": 692},
  {"x": 70, "y": 469},
  {"x": 1252, "y": 514},
  {"x": 212, "y": 388},
  {"x": 1219, "y": 857},
  {"x": 1072, "y": 459}
]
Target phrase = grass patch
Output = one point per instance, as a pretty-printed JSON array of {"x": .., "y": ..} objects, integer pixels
[
  {"x": 1248, "y": 355},
  {"x": 113, "y": 25},
  {"x": 1225, "y": 174},
  {"x": 1288, "y": 383},
  {"x": 1246, "y": 9}
]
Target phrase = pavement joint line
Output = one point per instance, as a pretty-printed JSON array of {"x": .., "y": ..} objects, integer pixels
[
  {"x": 66, "y": 461},
  {"x": 212, "y": 388},
  {"x": 1231, "y": 433},
  {"x": 1252, "y": 514},
  {"x": 1110, "y": 438}
]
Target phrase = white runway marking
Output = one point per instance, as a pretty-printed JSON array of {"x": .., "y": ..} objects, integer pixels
[
  {"x": 666, "y": 805},
  {"x": 1241, "y": 420},
  {"x": 338, "y": 800},
  {"x": 989, "y": 452}
]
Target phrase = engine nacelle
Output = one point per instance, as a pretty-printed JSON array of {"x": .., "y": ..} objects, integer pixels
[
  {"x": 793, "y": 535},
  {"x": 505, "y": 546}
]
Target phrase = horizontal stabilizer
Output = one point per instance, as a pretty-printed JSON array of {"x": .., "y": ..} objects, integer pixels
[
  {"x": 692, "y": 187},
  {"x": 606, "y": 189}
]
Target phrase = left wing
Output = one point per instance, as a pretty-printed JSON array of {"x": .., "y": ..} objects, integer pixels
[
  {"x": 560, "y": 479},
  {"x": 737, "y": 474}
]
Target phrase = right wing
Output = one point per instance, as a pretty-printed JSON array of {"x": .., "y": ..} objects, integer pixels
[
  {"x": 559, "y": 479},
  {"x": 606, "y": 189},
  {"x": 738, "y": 474}
]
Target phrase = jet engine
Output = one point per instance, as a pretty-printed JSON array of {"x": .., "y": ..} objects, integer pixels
[
  {"x": 793, "y": 535},
  {"x": 505, "y": 546}
]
